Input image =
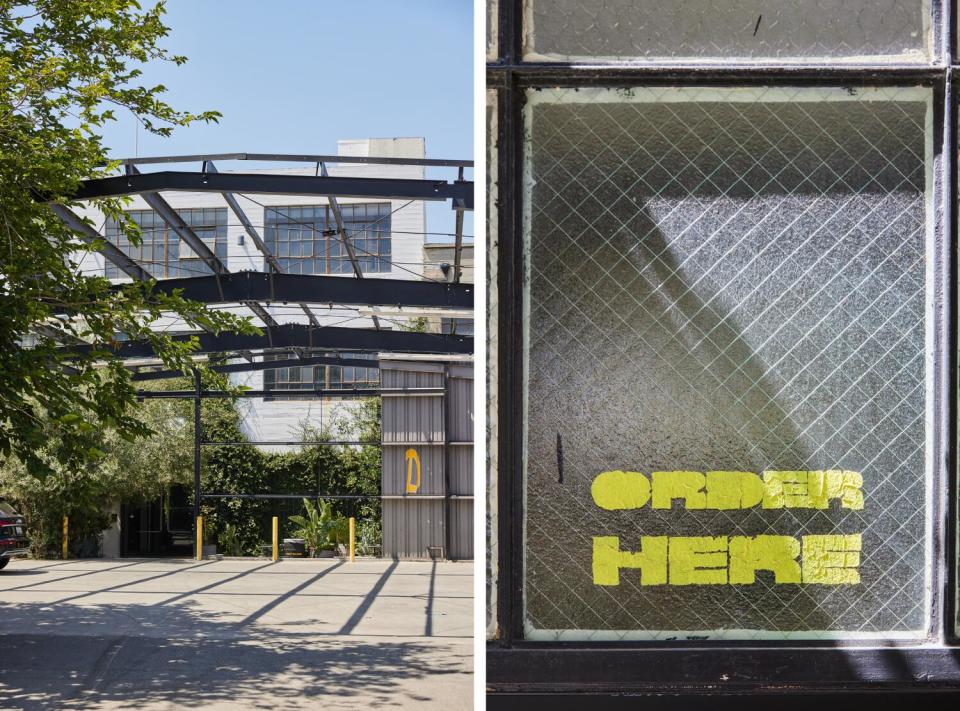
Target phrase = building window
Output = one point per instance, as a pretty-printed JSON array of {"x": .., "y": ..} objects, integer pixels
[
  {"x": 698, "y": 30},
  {"x": 457, "y": 326},
  {"x": 161, "y": 252},
  {"x": 725, "y": 388},
  {"x": 304, "y": 239},
  {"x": 318, "y": 377},
  {"x": 765, "y": 293}
]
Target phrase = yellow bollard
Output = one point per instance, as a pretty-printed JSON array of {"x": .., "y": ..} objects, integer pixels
[
  {"x": 353, "y": 538},
  {"x": 199, "y": 537},
  {"x": 66, "y": 531},
  {"x": 276, "y": 539}
]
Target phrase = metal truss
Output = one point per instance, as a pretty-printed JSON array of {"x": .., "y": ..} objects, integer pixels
[
  {"x": 319, "y": 289},
  {"x": 385, "y": 188},
  {"x": 297, "y": 158},
  {"x": 110, "y": 251},
  {"x": 289, "y": 336},
  {"x": 257, "y": 290},
  {"x": 254, "y": 290},
  {"x": 246, "y": 366}
]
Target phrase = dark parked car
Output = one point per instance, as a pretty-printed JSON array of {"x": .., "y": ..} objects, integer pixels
[{"x": 13, "y": 541}]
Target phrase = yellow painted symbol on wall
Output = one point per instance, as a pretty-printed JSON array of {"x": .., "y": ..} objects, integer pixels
[{"x": 412, "y": 459}]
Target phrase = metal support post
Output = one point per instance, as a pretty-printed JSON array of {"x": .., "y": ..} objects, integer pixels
[
  {"x": 196, "y": 444},
  {"x": 276, "y": 539},
  {"x": 353, "y": 539},
  {"x": 199, "y": 537}
]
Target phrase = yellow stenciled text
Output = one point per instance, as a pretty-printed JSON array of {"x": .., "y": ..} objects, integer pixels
[{"x": 730, "y": 560}]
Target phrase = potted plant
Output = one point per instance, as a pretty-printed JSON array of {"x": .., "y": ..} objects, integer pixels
[
  {"x": 318, "y": 528},
  {"x": 229, "y": 540}
]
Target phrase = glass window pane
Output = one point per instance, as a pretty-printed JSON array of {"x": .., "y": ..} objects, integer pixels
[
  {"x": 727, "y": 297},
  {"x": 858, "y": 30}
]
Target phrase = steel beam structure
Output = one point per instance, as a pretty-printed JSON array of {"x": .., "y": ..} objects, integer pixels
[
  {"x": 114, "y": 254},
  {"x": 149, "y": 186},
  {"x": 297, "y": 158},
  {"x": 178, "y": 225},
  {"x": 320, "y": 392},
  {"x": 108, "y": 249},
  {"x": 289, "y": 336},
  {"x": 54, "y": 333},
  {"x": 259, "y": 183},
  {"x": 458, "y": 240},
  {"x": 209, "y": 167},
  {"x": 319, "y": 289},
  {"x": 193, "y": 241},
  {"x": 341, "y": 230},
  {"x": 347, "y": 245},
  {"x": 258, "y": 241},
  {"x": 264, "y": 365}
]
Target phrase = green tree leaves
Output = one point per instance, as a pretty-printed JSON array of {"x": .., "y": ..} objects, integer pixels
[{"x": 66, "y": 66}]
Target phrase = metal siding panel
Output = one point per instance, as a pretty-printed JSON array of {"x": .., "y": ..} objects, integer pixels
[
  {"x": 395, "y": 469},
  {"x": 460, "y": 399},
  {"x": 415, "y": 418},
  {"x": 461, "y": 522},
  {"x": 411, "y": 526},
  {"x": 461, "y": 469}
]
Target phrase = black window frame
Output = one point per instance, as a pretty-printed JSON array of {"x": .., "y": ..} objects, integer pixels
[
  {"x": 162, "y": 233},
  {"x": 516, "y": 665},
  {"x": 333, "y": 255},
  {"x": 325, "y": 377}
]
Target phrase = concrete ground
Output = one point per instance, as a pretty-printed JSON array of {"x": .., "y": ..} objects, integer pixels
[{"x": 171, "y": 634}]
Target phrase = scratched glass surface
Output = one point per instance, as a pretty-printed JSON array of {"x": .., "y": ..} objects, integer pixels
[
  {"x": 856, "y": 30},
  {"x": 725, "y": 281}
]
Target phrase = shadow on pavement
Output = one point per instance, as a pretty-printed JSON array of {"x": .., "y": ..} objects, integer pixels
[{"x": 137, "y": 656}]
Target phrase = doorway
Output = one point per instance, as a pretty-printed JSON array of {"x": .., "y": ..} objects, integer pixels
[{"x": 160, "y": 527}]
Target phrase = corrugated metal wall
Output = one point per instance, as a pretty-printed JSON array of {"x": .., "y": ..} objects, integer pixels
[{"x": 438, "y": 427}]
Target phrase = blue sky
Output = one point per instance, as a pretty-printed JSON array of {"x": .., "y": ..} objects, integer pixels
[{"x": 293, "y": 76}]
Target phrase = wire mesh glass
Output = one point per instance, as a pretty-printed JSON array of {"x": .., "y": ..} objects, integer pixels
[
  {"x": 858, "y": 30},
  {"x": 735, "y": 280}
]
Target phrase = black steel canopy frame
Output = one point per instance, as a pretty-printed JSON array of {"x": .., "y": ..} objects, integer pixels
[
  {"x": 291, "y": 335},
  {"x": 257, "y": 290},
  {"x": 254, "y": 183},
  {"x": 519, "y": 670},
  {"x": 253, "y": 290}
]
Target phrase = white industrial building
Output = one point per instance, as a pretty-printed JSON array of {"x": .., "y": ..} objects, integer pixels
[{"x": 399, "y": 227}]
